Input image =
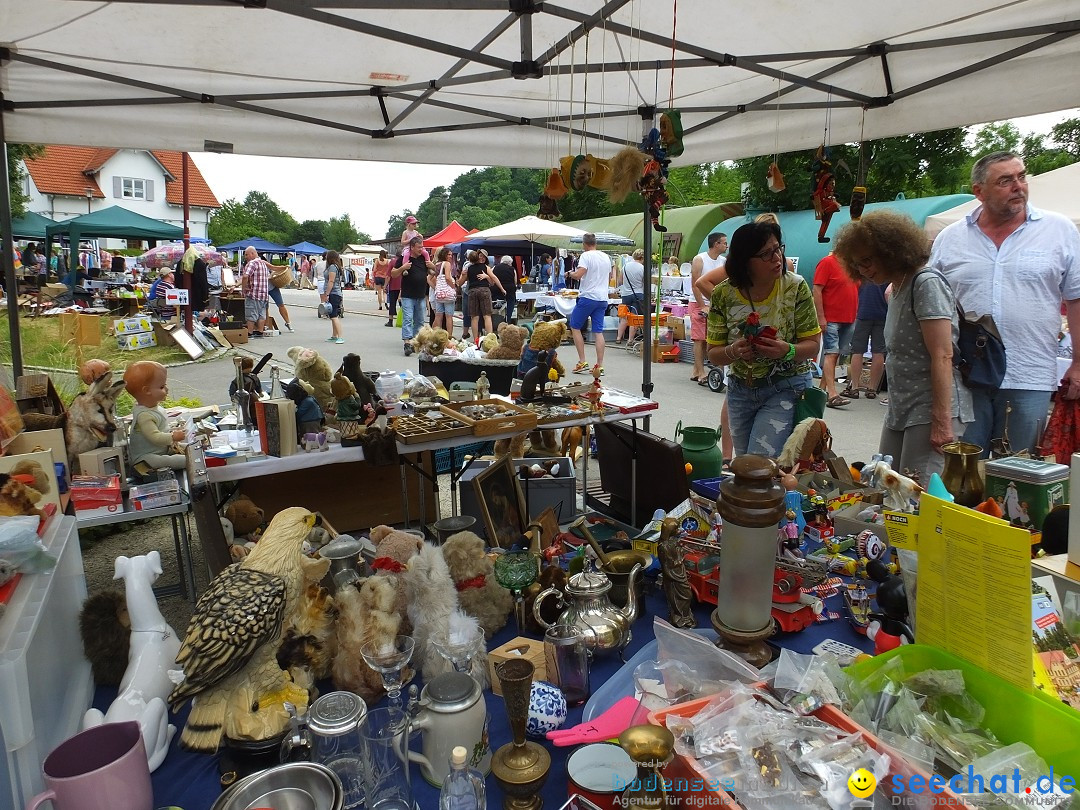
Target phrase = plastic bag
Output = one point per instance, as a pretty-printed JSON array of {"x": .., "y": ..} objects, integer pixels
[
  {"x": 704, "y": 659},
  {"x": 1006, "y": 762},
  {"x": 804, "y": 675},
  {"x": 834, "y": 763},
  {"x": 21, "y": 550}
]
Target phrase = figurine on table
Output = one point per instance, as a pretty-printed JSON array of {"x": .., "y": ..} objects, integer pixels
[
  {"x": 789, "y": 537},
  {"x": 594, "y": 394},
  {"x": 794, "y": 501},
  {"x": 677, "y": 590},
  {"x": 151, "y": 442}
]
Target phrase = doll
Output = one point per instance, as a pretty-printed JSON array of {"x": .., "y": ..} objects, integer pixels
[
  {"x": 309, "y": 416},
  {"x": 151, "y": 442}
]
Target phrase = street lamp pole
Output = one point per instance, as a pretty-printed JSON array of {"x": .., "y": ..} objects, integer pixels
[
  {"x": 445, "y": 208},
  {"x": 89, "y": 198}
]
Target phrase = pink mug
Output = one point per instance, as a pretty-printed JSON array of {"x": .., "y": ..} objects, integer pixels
[{"x": 102, "y": 768}]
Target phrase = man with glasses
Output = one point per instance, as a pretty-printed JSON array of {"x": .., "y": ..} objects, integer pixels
[
  {"x": 1017, "y": 264},
  {"x": 836, "y": 299}
]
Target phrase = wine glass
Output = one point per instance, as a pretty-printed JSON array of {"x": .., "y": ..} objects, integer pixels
[
  {"x": 459, "y": 647},
  {"x": 388, "y": 658},
  {"x": 516, "y": 571}
]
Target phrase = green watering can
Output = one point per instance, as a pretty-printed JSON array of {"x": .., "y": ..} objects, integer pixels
[{"x": 700, "y": 450}]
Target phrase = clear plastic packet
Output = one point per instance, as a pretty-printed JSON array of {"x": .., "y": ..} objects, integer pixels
[
  {"x": 709, "y": 663},
  {"x": 937, "y": 682},
  {"x": 961, "y": 711},
  {"x": 21, "y": 550},
  {"x": 765, "y": 758},
  {"x": 804, "y": 675},
  {"x": 420, "y": 388},
  {"x": 900, "y": 719},
  {"x": 919, "y": 755},
  {"x": 720, "y": 731},
  {"x": 1019, "y": 758},
  {"x": 834, "y": 764},
  {"x": 955, "y": 748}
]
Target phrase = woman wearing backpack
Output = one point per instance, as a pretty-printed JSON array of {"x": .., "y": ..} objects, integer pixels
[{"x": 921, "y": 328}]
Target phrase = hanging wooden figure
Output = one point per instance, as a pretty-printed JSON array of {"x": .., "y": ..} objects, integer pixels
[
  {"x": 671, "y": 132},
  {"x": 555, "y": 188},
  {"x": 774, "y": 179},
  {"x": 824, "y": 191}
]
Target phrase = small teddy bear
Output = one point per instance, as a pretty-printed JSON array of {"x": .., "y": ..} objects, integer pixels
[
  {"x": 393, "y": 550},
  {"x": 366, "y": 612},
  {"x": 349, "y": 410},
  {"x": 365, "y": 387},
  {"x": 309, "y": 366},
  {"x": 511, "y": 342},
  {"x": 473, "y": 572},
  {"x": 246, "y": 519},
  {"x": 547, "y": 335},
  {"x": 489, "y": 343},
  {"x": 431, "y": 342}
]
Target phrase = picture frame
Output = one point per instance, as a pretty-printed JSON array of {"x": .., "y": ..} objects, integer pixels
[
  {"x": 186, "y": 341},
  {"x": 39, "y": 464},
  {"x": 502, "y": 503}
]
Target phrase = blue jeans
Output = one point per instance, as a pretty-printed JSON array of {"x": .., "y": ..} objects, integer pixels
[
  {"x": 1027, "y": 419},
  {"x": 413, "y": 316},
  {"x": 762, "y": 418}
]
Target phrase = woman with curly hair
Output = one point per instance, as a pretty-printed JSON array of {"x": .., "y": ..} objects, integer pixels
[{"x": 921, "y": 328}]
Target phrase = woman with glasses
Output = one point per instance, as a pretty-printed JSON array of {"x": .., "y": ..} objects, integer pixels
[
  {"x": 921, "y": 326},
  {"x": 762, "y": 325}
]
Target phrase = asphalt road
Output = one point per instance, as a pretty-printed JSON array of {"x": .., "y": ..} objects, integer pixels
[{"x": 855, "y": 428}]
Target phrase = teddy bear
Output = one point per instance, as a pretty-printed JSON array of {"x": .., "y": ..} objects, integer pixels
[
  {"x": 349, "y": 411},
  {"x": 511, "y": 342},
  {"x": 431, "y": 341},
  {"x": 547, "y": 335},
  {"x": 366, "y": 612},
  {"x": 393, "y": 550},
  {"x": 365, "y": 387},
  {"x": 246, "y": 519},
  {"x": 105, "y": 629},
  {"x": 18, "y": 497},
  {"x": 489, "y": 342},
  {"x": 307, "y": 645},
  {"x": 473, "y": 572},
  {"x": 309, "y": 415},
  {"x": 309, "y": 366}
]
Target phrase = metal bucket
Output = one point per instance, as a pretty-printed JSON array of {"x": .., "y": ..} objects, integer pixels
[
  {"x": 345, "y": 561},
  {"x": 448, "y": 526},
  {"x": 620, "y": 564}
]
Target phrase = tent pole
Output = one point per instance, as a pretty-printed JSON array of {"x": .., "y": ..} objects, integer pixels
[
  {"x": 186, "y": 278},
  {"x": 647, "y": 112},
  {"x": 7, "y": 259}
]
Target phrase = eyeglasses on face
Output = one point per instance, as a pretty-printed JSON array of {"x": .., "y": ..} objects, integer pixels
[
  {"x": 770, "y": 253},
  {"x": 1007, "y": 180}
]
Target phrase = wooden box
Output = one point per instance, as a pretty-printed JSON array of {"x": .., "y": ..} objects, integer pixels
[
  {"x": 512, "y": 418},
  {"x": 418, "y": 429},
  {"x": 35, "y": 393},
  {"x": 520, "y": 647}
]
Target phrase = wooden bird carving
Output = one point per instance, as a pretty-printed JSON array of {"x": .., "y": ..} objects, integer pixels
[{"x": 227, "y": 661}]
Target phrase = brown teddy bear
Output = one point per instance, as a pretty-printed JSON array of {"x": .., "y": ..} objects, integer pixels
[
  {"x": 431, "y": 341},
  {"x": 246, "y": 519},
  {"x": 393, "y": 550},
  {"x": 312, "y": 368},
  {"x": 366, "y": 612},
  {"x": 349, "y": 414},
  {"x": 473, "y": 572},
  {"x": 511, "y": 342},
  {"x": 547, "y": 335}
]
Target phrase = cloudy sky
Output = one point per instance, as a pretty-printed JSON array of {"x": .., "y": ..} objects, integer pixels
[{"x": 372, "y": 192}]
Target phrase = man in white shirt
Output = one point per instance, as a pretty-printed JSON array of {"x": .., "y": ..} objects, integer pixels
[
  {"x": 1018, "y": 264},
  {"x": 711, "y": 259},
  {"x": 593, "y": 272}
]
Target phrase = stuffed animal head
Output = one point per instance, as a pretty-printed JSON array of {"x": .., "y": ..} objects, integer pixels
[
  {"x": 16, "y": 498},
  {"x": 395, "y": 547},
  {"x": 309, "y": 364},
  {"x": 36, "y": 477},
  {"x": 244, "y": 515},
  {"x": 342, "y": 387},
  {"x": 511, "y": 342},
  {"x": 548, "y": 335},
  {"x": 351, "y": 365},
  {"x": 464, "y": 554},
  {"x": 431, "y": 341},
  {"x": 298, "y": 391},
  {"x": 489, "y": 342}
]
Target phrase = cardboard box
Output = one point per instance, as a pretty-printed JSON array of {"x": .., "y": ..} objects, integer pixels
[
  {"x": 98, "y": 511},
  {"x": 845, "y": 521},
  {"x": 836, "y": 492},
  {"x": 163, "y": 335},
  {"x": 34, "y": 441},
  {"x": 678, "y": 328},
  {"x": 136, "y": 340},
  {"x": 104, "y": 461},
  {"x": 35, "y": 393},
  {"x": 80, "y": 329},
  {"x": 559, "y": 493},
  {"x": 234, "y": 336},
  {"x": 93, "y": 491},
  {"x": 520, "y": 647},
  {"x": 127, "y": 326}
]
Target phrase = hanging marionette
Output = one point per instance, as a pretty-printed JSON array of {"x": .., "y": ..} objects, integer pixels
[{"x": 824, "y": 190}]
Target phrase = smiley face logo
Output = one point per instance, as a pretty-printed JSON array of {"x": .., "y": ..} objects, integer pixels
[{"x": 861, "y": 783}]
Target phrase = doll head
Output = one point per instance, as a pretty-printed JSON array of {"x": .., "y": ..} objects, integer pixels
[{"x": 146, "y": 381}]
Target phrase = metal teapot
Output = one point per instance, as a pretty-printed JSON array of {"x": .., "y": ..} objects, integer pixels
[{"x": 606, "y": 627}]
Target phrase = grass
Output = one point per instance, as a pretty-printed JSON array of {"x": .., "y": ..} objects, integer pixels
[{"x": 43, "y": 347}]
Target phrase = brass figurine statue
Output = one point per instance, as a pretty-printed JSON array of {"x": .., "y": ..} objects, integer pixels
[{"x": 676, "y": 584}]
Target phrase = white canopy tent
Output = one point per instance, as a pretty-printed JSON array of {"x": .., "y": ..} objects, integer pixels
[
  {"x": 518, "y": 82},
  {"x": 1057, "y": 190}
]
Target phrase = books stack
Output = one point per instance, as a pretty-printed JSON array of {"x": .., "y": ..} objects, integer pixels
[{"x": 276, "y": 420}]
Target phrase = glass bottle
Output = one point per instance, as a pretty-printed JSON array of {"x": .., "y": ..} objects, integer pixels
[{"x": 463, "y": 788}]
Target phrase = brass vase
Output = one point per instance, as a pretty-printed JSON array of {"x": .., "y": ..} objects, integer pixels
[
  {"x": 520, "y": 767},
  {"x": 961, "y": 475},
  {"x": 651, "y": 748}
]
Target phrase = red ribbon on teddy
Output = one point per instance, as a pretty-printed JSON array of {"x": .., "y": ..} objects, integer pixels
[
  {"x": 387, "y": 564},
  {"x": 479, "y": 581}
]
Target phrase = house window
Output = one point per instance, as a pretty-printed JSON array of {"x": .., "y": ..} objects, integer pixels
[{"x": 133, "y": 189}]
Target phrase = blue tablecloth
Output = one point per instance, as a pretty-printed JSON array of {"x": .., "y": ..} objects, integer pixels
[{"x": 190, "y": 781}]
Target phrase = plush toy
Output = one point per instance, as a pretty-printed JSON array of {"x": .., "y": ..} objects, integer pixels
[
  {"x": 489, "y": 343},
  {"x": 654, "y": 189},
  {"x": 309, "y": 416},
  {"x": 349, "y": 412},
  {"x": 431, "y": 341},
  {"x": 237, "y": 550},
  {"x": 626, "y": 168},
  {"x": 365, "y": 387},
  {"x": 393, "y": 550},
  {"x": 473, "y": 572},
  {"x": 151, "y": 442},
  {"x": 805, "y": 449},
  {"x": 246, "y": 518},
  {"x": 366, "y": 612},
  {"x": 307, "y": 642},
  {"x": 511, "y": 342},
  {"x": 823, "y": 193},
  {"x": 106, "y": 630},
  {"x": 671, "y": 132},
  {"x": 91, "y": 418},
  {"x": 547, "y": 335},
  {"x": 309, "y": 366},
  {"x": 17, "y": 497}
]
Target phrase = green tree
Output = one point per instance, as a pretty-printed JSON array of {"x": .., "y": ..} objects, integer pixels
[
  {"x": 1067, "y": 136},
  {"x": 340, "y": 231},
  {"x": 231, "y": 223},
  {"x": 998, "y": 136},
  {"x": 310, "y": 230},
  {"x": 271, "y": 218},
  {"x": 16, "y": 154},
  {"x": 1039, "y": 158}
]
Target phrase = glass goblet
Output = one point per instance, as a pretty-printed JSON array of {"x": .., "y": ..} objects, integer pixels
[
  {"x": 389, "y": 658},
  {"x": 516, "y": 571},
  {"x": 459, "y": 648}
]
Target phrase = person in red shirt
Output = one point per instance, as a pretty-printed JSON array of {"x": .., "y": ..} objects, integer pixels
[{"x": 836, "y": 298}]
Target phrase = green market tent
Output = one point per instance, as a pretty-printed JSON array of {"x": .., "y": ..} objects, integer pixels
[
  {"x": 114, "y": 222},
  {"x": 30, "y": 226},
  {"x": 692, "y": 224}
]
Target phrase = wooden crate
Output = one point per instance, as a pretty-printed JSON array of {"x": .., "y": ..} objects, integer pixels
[
  {"x": 35, "y": 393},
  {"x": 418, "y": 429},
  {"x": 512, "y": 418}
]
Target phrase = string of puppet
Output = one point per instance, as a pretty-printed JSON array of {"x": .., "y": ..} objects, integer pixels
[
  {"x": 583, "y": 141},
  {"x": 671, "y": 105},
  {"x": 776, "y": 135}
]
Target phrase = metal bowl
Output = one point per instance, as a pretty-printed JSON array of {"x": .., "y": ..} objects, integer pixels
[{"x": 293, "y": 786}]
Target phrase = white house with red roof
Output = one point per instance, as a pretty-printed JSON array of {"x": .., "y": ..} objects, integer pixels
[{"x": 69, "y": 181}]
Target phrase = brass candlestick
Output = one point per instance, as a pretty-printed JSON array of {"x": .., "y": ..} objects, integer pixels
[
  {"x": 651, "y": 748},
  {"x": 520, "y": 767}
]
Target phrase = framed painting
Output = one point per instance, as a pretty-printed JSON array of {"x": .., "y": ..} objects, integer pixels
[{"x": 501, "y": 502}]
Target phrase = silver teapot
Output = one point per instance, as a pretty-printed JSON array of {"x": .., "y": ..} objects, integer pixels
[{"x": 588, "y": 607}]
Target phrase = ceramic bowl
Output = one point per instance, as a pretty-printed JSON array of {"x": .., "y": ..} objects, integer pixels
[{"x": 547, "y": 709}]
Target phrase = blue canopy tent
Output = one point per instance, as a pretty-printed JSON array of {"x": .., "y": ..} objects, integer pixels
[
  {"x": 307, "y": 249},
  {"x": 258, "y": 243}
]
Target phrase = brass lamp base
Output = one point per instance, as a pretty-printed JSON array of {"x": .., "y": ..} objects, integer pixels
[
  {"x": 521, "y": 771},
  {"x": 749, "y": 646}
]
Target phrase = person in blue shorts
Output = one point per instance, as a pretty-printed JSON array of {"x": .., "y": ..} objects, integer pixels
[{"x": 593, "y": 271}]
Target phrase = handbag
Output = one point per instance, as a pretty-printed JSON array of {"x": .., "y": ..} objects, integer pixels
[
  {"x": 979, "y": 352},
  {"x": 811, "y": 404},
  {"x": 443, "y": 290}
]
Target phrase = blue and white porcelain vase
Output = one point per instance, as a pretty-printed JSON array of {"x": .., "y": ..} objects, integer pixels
[{"x": 547, "y": 709}]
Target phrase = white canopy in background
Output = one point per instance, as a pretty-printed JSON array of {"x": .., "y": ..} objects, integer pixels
[
  {"x": 529, "y": 229},
  {"x": 1058, "y": 191},
  {"x": 521, "y": 82}
]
